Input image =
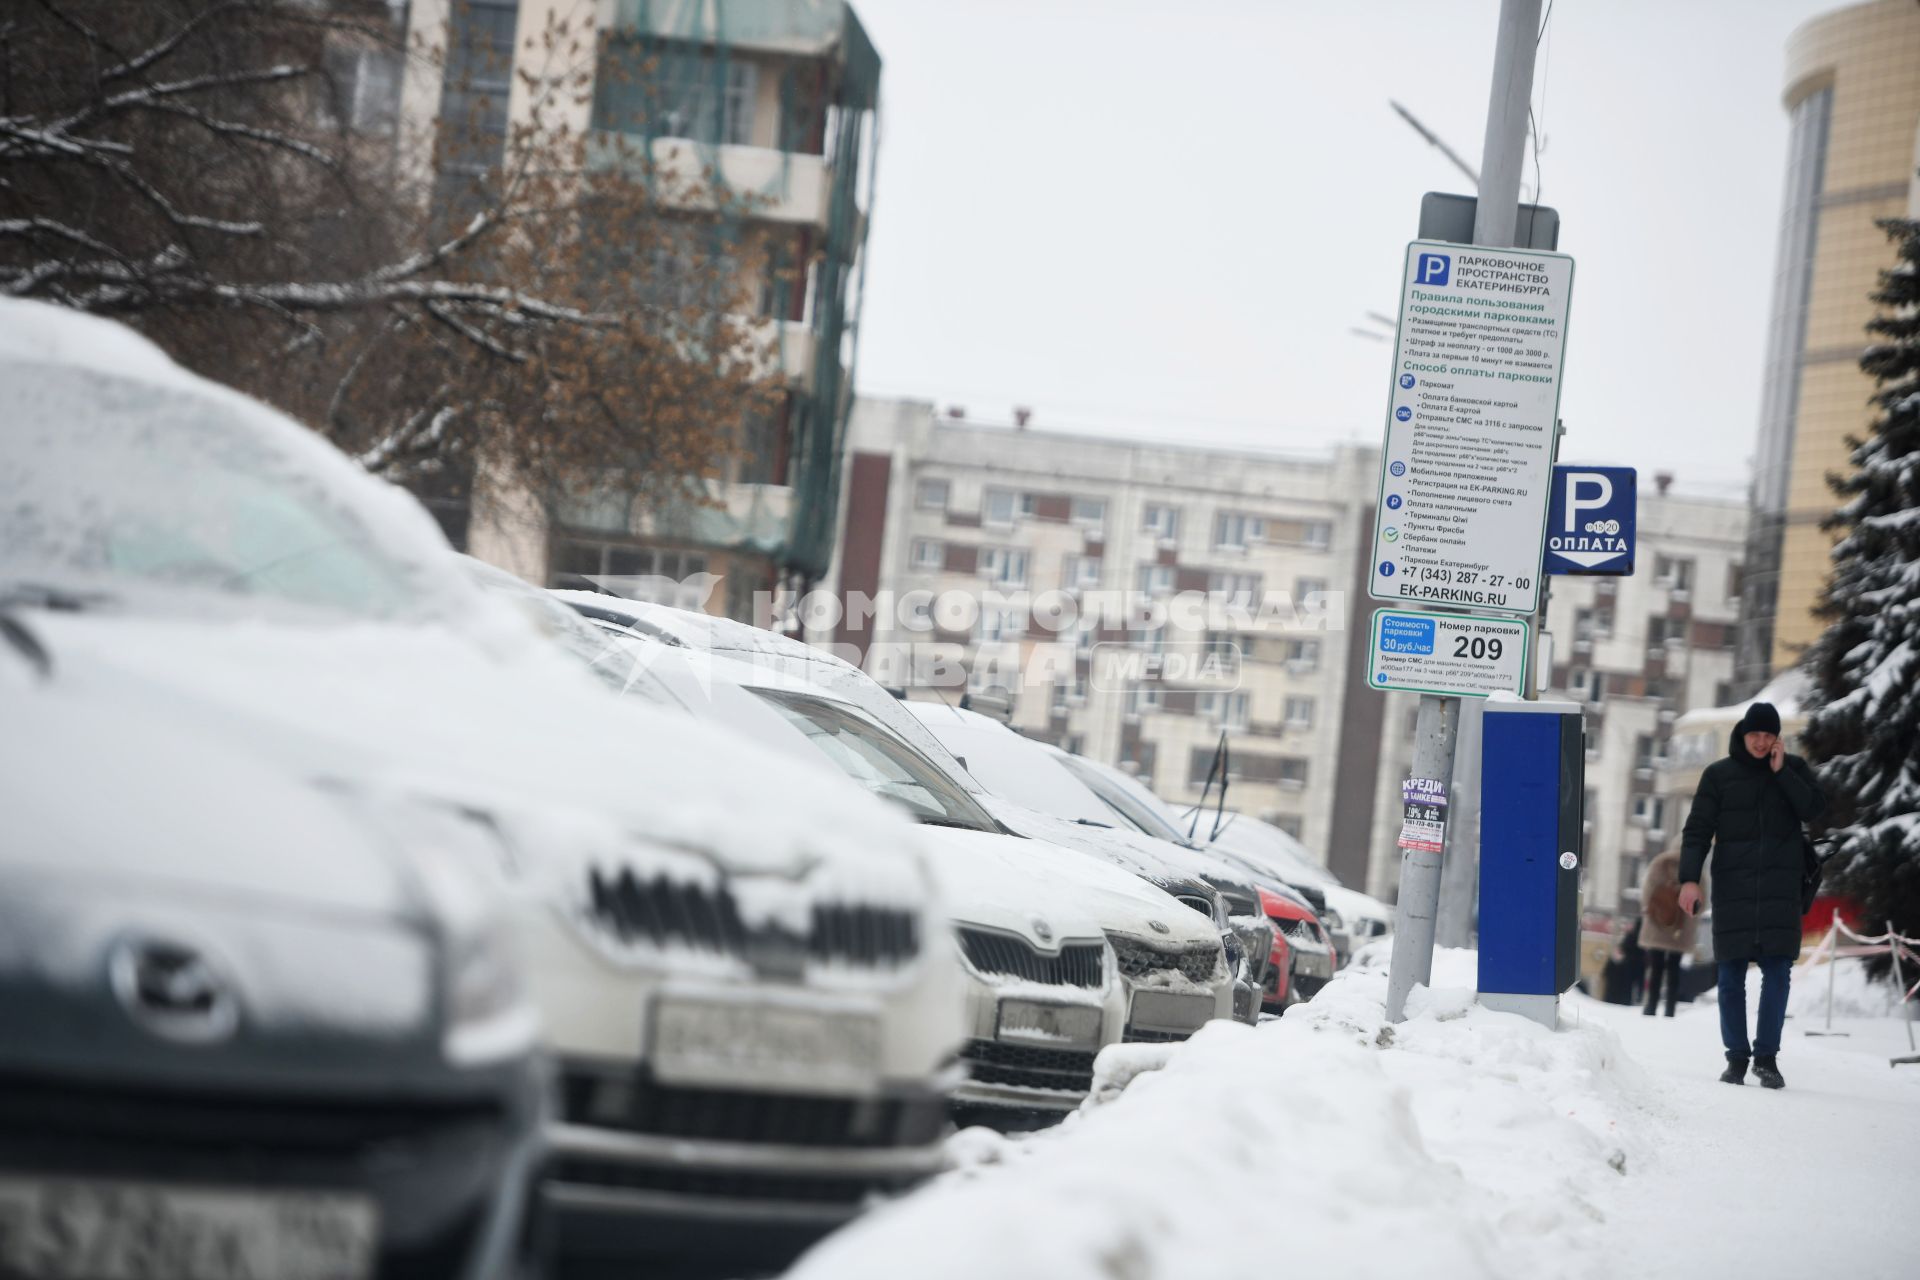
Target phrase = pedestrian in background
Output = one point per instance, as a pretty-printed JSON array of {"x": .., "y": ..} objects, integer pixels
[
  {"x": 1626, "y": 967},
  {"x": 1666, "y": 932},
  {"x": 1747, "y": 823}
]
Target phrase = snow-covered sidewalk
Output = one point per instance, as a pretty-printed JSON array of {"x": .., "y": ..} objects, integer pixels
[{"x": 1460, "y": 1143}]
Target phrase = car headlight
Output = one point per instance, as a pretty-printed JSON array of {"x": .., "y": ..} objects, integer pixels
[{"x": 455, "y": 857}]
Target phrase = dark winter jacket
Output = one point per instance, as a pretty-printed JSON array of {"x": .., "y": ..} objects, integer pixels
[{"x": 1751, "y": 817}]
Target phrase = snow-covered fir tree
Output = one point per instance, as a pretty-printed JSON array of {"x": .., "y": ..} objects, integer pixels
[{"x": 1864, "y": 735}]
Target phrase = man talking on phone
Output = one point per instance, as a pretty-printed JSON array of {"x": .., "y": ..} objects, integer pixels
[{"x": 1748, "y": 815}]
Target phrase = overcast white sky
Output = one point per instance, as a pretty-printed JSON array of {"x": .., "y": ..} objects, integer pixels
[{"x": 1163, "y": 219}]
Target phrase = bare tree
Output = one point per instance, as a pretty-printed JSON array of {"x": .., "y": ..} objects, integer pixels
[{"x": 193, "y": 166}]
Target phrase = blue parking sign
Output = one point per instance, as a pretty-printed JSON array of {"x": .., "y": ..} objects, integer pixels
[{"x": 1590, "y": 521}]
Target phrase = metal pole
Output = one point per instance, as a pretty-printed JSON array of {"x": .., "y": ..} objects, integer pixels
[
  {"x": 1502, "y": 156},
  {"x": 1414, "y": 914},
  {"x": 1900, "y": 983}
]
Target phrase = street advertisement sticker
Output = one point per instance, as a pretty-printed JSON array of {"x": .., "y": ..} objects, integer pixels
[
  {"x": 1423, "y": 817},
  {"x": 1452, "y": 654},
  {"x": 1472, "y": 416}
]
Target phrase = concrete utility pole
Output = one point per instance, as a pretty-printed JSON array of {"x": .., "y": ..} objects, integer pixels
[{"x": 1502, "y": 156}]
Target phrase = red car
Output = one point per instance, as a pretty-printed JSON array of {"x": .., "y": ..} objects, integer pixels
[{"x": 1303, "y": 956}]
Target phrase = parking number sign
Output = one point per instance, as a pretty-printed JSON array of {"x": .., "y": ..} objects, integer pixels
[{"x": 1453, "y": 654}]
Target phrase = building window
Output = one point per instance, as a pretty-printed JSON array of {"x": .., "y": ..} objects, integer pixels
[
  {"x": 1673, "y": 573},
  {"x": 1651, "y": 812},
  {"x": 1156, "y": 579},
  {"x": 676, "y": 93},
  {"x": 1161, "y": 521},
  {"x": 1238, "y": 588},
  {"x": 1025, "y": 503},
  {"x": 928, "y": 554},
  {"x": 1319, "y": 534},
  {"x": 1090, "y": 513},
  {"x": 1643, "y": 751},
  {"x": 1308, "y": 588},
  {"x": 997, "y": 506},
  {"x": 1293, "y": 772},
  {"x": 1006, "y": 566},
  {"x": 1235, "y": 532},
  {"x": 1143, "y": 697},
  {"x": 1080, "y": 572},
  {"x": 586, "y": 558},
  {"x": 931, "y": 495},
  {"x": 1152, "y": 639},
  {"x": 1736, "y": 573},
  {"x": 998, "y": 622},
  {"x": 1299, "y": 712},
  {"x": 1303, "y": 655},
  {"x": 1289, "y": 823},
  {"x": 1229, "y": 710}
]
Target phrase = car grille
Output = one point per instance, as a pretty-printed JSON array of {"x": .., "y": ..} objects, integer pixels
[
  {"x": 1299, "y": 929},
  {"x": 1135, "y": 1036},
  {"x": 229, "y": 1137},
  {"x": 1076, "y": 965},
  {"x": 1197, "y": 903},
  {"x": 1240, "y": 901},
  {"x": 1256, "y": 939},
  {"x": 668, "y": 913},
  {"x": 633, "y": 1101},
  {"x": 1199, "y": 962},
  {"x": 1000, "y": 1062}
]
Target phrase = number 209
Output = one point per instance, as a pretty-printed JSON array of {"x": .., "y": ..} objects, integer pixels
[{"x": 1476, "y": 647}]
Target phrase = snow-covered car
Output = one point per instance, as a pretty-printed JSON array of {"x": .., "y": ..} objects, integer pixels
[
  {"x": 1351, "y": 918},
  {"x": 1174, "y": 968},
  {"x": 1293, "y": 910},
  {"x": 1017, "y": 770},
  {"x": 239, "y": 1024},
  {"x": 745, "y": 977}
]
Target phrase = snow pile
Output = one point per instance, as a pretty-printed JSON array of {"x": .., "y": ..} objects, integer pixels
[
  {"x": 1325, "y": 1142},
  {"x": 1854, "y": 994}
]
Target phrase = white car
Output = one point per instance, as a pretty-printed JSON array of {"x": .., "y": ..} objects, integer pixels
[
  {"x": 744, "y": 975},
  {"x": 1176, "y": 976}
]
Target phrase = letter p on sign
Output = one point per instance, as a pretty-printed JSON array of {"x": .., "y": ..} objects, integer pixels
[
  {"x": 1434, "y": 269},
  {"x": 1592, "y": 482}
]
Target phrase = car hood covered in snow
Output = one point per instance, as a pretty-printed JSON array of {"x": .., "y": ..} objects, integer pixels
[{"x": 1006, "y": 882}]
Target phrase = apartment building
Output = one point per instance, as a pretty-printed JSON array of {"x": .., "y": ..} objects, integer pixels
[
  {"x": 762, "y": 117},
  {"x": 1133, "y": 602}
]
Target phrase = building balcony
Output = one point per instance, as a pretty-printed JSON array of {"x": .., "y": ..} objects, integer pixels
[{"x": 788, "y": 187}]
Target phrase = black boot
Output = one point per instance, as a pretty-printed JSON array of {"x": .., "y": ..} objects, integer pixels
[
  {"x": 1767, "y": 1073},
  {"x": 1736, "y": 1072}
]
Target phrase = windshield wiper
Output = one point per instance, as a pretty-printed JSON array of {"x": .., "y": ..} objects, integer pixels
[
  {"x": 40, "y": 595},
  {"x": 948, "y": 822},
  {"x": 1089, "y": 822}
]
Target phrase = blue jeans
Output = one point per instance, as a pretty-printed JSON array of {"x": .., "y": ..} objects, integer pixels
[{"x": 1775, "y": 973}]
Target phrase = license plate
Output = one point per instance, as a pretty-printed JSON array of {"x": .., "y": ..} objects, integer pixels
[
  {"x": 762, "y": 1046},
  {"x": 1074, "y": 1025},
  {"x": 85, "y": 1229},
  {"x": 1163, "y": 1011}
]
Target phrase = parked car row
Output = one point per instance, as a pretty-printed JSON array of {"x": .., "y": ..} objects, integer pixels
[{"x": 368, "y": 912}]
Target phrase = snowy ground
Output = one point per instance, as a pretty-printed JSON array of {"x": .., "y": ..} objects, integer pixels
[{"x": 1461, "y": 1143}]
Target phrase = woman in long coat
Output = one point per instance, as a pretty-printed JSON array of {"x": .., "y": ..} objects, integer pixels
[{"x": 1666, "y": 932}]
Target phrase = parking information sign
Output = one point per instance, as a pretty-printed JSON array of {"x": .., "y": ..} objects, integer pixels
[
  {"x": 1453, "y": 654},
  {"x": 1590, "y": 521},
  {"x": 1468, "y": 460}
]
